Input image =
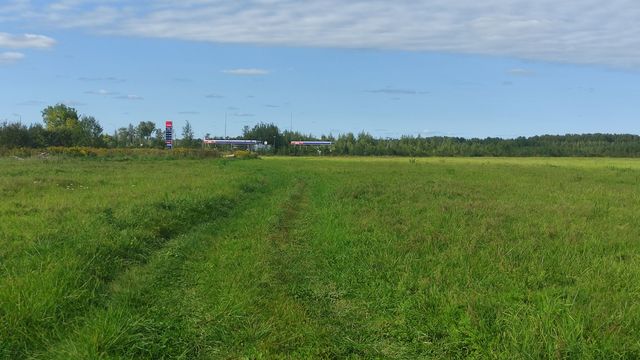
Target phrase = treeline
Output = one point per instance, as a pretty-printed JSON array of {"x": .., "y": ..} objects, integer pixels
[
  {"x": 611, "y": 145},
  {"x": 64, "y": 127},
  {"x": 364, "y": 144}
]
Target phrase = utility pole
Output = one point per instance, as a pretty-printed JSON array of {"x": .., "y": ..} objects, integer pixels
[{"x": 225, "y": 124}]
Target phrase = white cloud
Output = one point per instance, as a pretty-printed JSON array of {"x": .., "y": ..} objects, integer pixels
[
  {"x": 130, "y": 97},
  {"x": 101, "y": 92},
  {"x": 393, "y": 91},
  {"x": 72, "y": 103},
  {"x": 246, "y": 72},
  {"x": 9, "y": 8},
  {"x": 586, "y": 31},
  {"x": 105, "y": 79},
  {"x": 10, "y": 57},
  {"x": 64, "y": 5},
  {"x": 25, "y": 41}
]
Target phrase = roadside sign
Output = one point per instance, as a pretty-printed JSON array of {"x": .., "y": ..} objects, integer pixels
[{"x": 168, "y": 134}]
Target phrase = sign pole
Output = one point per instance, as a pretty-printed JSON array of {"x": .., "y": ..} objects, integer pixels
[{"x": 168, "y": 134}]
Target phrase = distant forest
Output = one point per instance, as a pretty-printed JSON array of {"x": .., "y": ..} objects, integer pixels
[{"x": 64, "y": 127}]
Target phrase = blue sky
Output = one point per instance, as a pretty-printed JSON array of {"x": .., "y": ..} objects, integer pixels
[{"x": 501, "y": 68}]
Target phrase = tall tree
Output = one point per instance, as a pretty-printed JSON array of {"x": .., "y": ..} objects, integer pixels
[
  {"x": 159, "y": 139},
  {"x": 266, "y": 132},
  {"x": 187, "y": 135},
  {"x": 132, "y": 139},
  {"x": 60, "y": 116},
  {"x": 145, "y": 129},
  {"x": 14, "y": 135},
  {"x": 89, "y": 132},
  {"x": 123, "y": 137}
]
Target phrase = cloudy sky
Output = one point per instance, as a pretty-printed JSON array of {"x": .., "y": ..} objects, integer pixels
[{"x": 433, "y": 67}]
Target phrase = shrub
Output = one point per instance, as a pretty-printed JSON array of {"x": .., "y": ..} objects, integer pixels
[
  {"x": 90, "y": 152},
  {"x": 244, "y": 154}
]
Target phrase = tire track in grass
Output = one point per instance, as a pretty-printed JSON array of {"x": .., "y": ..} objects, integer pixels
[
  {"x": 286, "y": 318},
  {"x": 305, "y": 311},
  {"x": 290, "y": 212},
  {"x": 284, "y": 239},
  {"x": 209, "y": 295},
  {"x": 122, "y": 300},
  {"x": 294, "y": 331}
]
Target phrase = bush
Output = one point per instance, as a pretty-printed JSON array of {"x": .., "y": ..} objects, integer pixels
[
  {"x": 90, "y": 152},
  {"x": 244, "y": 154}
]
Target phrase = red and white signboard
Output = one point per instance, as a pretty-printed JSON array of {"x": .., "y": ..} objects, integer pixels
[{"x": 168, "y": 133}]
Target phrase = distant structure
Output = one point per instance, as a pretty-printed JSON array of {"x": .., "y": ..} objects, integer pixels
[
  {"x": 250, "y": 145},
  {"x": 316, "y": 144},
  {"x": 311, "y": 143}
]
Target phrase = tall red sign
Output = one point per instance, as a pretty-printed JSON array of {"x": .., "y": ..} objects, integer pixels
[{"x": 168, "y": 133}]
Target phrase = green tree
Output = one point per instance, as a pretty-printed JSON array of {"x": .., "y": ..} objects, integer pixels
[
  {"x": 38, "y": 135},
  {"x": 14, "y": 135},
  {"x": 123, "y": 138},
  {"x": 132, "y": 138},
  {"x": 89, "y": 132},
  {"x": 265, "y": 132},
  {"x": 158, "y": 140},
  {"x": 187, "y": 135},
  {"x": 60, "y": 116},
  {"x": 145, "y": 129},
  {"x": 108, "y": 140}
]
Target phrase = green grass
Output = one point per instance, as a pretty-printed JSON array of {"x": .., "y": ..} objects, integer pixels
[{"x": 320, "y": 258}]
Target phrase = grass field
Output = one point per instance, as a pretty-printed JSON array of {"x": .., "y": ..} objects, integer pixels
[{"x": 320, "y": 258}]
